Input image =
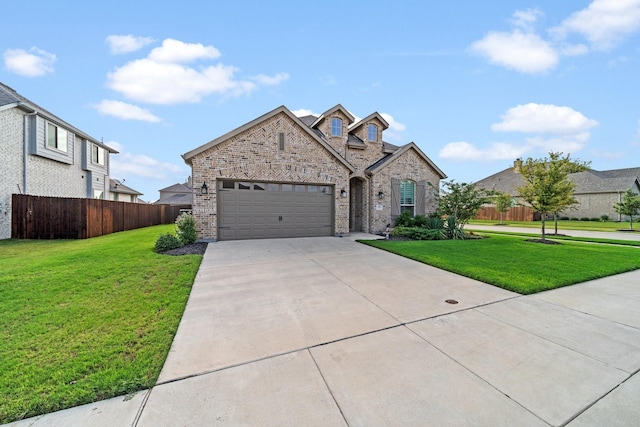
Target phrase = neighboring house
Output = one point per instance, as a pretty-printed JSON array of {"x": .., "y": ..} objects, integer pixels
[
  {"x": 284, "y": 176},
  {"x": 122, "y": 193},
  {"x": 177, "y": 195},
  {"x": 43, "y": 155},
  {"x": 595, "y": 191}
]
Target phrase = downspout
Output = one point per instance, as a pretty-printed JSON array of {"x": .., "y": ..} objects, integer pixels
[{"x": 25, "y": 148}]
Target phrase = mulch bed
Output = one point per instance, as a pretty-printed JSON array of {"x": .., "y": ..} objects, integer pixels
[{"x": 197, "y": 248}]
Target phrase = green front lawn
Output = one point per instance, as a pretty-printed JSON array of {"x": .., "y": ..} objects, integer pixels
[
  {"x": 84, "y": 320},
  {"x": 513, "y": 263}
]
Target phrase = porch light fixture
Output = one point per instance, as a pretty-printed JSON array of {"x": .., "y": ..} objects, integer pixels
[
  {"x": 380, "y": 195},
  {"x": 343, "y": 192},
  {"x": 204, "y": 189}
]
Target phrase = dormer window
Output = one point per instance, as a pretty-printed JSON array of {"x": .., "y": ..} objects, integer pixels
[
  {"x": 336, "y": 127},
  {"x": 372, "y": 132}
]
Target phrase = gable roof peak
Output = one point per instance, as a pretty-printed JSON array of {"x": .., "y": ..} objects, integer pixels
[
  {"x": 337, "y": 107},
  {"x": 374, "y": 115}
]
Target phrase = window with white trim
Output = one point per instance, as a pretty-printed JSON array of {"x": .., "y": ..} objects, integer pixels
[
  {"x": 336, "y": 127},
  {"x": 408, "y": 197},
  {"x": 372, "y": 132},
  {"x": 97, "y": 155},
  {"x": 56, "y": 137}
]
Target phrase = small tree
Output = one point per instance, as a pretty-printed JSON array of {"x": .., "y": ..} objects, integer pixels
[
  {"x": 461, "y": 200},
  {"x": 186, "y": 228},
  {"x": 547, "y": 187},
  {"x": 503, "y": 202},
  {"x": 629, "y": 206}
]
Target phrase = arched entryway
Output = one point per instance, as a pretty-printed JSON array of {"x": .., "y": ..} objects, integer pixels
[{"x": 357, "y": 207}]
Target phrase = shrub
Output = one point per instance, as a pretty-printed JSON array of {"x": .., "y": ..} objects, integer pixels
[
  {"x": 604, "y": 218},
  {"x": 453, "y": 229},
  {"x": 420, "y": 221},
  {"x": 419, "y": 233},
  {"x": 186, "y": 229},
  {"x": 564, "y": 218},
  {"x": 584, "y": 218},
  {"x": 434, "y": 223},
  {"x": 404, "y": 220},
  {"x": 167, "y": 242},
  {"x": 594, "y": 219}
]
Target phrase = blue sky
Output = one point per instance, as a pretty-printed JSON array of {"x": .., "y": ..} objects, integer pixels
[{"x": 474, "y": 84}]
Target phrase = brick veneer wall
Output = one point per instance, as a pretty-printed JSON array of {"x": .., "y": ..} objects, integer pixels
[
  {"x": 11, "y": 148},
  {"x": 408, "y": 166},
  {"x": 254, "y": 155}
]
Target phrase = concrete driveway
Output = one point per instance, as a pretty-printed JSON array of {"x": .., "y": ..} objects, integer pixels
[{"x": 327, "y": 331}]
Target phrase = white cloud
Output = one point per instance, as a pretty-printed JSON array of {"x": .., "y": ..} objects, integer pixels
[
  {"x": 127, "y": 164},
  {"x": 526, "y": 18},
  {"x": 163, "y": 77},
  {"x": 543, "y": 118},
  {"x": 521, "y": 51},
  {"x": 34, "y": 63},
  {"x": 464, "y": 151},
  {"x": 270, "y": 80},
  {"x": 304, "y": 112},
  {"x": 573, "y": 49},
  {"x": 393, "y": 124},
  {"x": 125, "y": 44},
  {"x": 125, "y": 111},
  {"x": 604, "y": 23},
  {"x": 175, "y": 51},
  {"x": 548, "y": 128}
]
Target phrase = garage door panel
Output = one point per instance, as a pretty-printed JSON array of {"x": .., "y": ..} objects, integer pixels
[{"x": 257, "y": 214}]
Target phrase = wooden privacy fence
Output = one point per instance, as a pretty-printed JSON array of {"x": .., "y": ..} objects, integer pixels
[
  {"x": 516, "y": 213},
  {"x": 38, "y": 217}
]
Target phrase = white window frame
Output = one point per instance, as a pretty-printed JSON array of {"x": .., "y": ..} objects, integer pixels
[
  {"x": 407, "y": 204},
  {"x": 98, "y": 155},
  {"x": 336, "y": 126},
  {"x": 372, "y": 130},
  {"x": 60, "y": 137}
]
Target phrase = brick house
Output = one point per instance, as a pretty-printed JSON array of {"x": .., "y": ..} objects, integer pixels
[
  {"x": 286, "y": 176},
  {"x": 595, "y": 191},
  {"x": 43, "y": 155}
]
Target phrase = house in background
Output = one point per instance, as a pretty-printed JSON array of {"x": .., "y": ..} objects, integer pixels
[
  {"x": 595, "y": 191},
  {"x": 44, "y": 155},
  {"x": 284, "y": 176},
  {"x": 122, "y": 193},
  {"x": 180, "y": 194}
]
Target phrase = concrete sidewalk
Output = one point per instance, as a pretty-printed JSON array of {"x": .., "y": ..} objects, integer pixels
[{"x": 327, "y": 331}]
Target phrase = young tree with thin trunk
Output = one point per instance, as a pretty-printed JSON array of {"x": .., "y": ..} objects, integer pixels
[
  {"x": 547, "y": 187},
  {"x": 461, "y": 200},
  {"x": 629, "y": 206},
  {"x": 503, "y": 202}
]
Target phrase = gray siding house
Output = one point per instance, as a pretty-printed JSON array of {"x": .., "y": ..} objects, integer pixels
[
  {"x": 285, "y": 176},
  {"x": 595, "y": 191},
  {"x": 43, "y": 155}
]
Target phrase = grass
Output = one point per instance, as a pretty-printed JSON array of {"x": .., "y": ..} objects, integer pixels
[
  {"x": 569, "y": 238},
  {"x": 517, "y": 265},
  {"x": 84, "y": 320},
  {"x": 562, "y": 225}
]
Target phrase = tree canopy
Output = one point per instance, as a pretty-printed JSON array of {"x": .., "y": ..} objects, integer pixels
[
  {"x": 461, "y": 200},
  {"x": 503, "y": 202},
  {"x": 547, "y": 187},
  {"x": 629, "y": 206}
]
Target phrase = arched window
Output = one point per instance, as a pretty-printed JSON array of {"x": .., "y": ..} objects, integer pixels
[
  {"x": 372, "y": 132},
  {"x": 408, "y": 197},
  {"x": 336, "y": 127}
]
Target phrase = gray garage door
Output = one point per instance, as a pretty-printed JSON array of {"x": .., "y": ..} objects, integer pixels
[{"x": 259, "y": 210}]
